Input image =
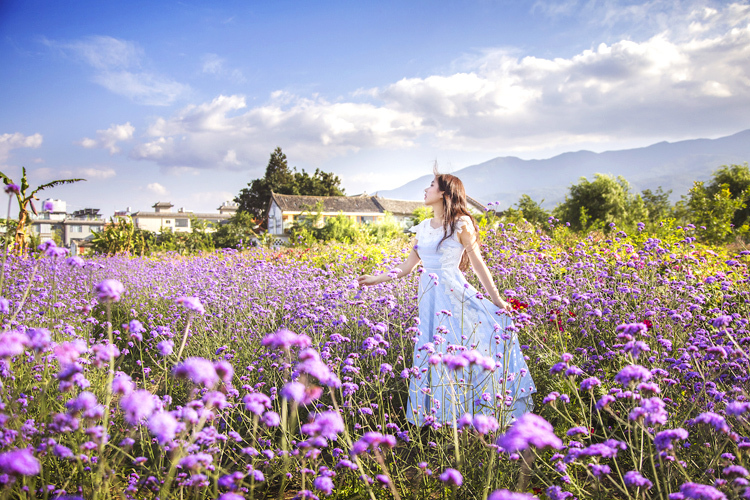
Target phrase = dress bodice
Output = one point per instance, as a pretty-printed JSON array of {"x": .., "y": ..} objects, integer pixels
[{"x": 448, "y": 256}]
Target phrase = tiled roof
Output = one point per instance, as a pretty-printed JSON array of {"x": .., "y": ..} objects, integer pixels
[
  {"x": 348, "y": 204},
  {"x": 398, "y": 207}
]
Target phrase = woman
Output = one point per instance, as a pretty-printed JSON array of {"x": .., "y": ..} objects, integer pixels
[{"x": 467, "y": 358}]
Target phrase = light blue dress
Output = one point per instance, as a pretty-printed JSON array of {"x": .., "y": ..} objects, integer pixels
[{"x": 454, "y": 321}]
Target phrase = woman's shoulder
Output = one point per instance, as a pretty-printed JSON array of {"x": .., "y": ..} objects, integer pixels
[
  {"x": 416, "y": 227},
  {"x": 465, "y": 221}
]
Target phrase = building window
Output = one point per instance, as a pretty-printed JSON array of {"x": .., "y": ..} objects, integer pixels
[
  {"x": 45, "y": 228},
  {"x": 168, "y": 222},
  {"x": 181, "y": 223},
  {"x": 76, "y": 229}
]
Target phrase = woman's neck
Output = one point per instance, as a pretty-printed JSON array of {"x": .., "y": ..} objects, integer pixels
[{"x": 437, "y": 212}]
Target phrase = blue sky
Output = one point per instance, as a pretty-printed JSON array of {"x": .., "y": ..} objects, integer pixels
[{"x": 184, "y": 101}]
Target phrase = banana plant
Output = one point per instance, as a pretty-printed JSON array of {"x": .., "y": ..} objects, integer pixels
[{"x": 26, "y": 205}]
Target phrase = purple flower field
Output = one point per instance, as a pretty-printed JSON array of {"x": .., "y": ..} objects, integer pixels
[{"x": 262, "y": 374}]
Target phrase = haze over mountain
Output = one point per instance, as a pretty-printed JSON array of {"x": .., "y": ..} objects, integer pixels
[{"x": 670, "y": 165}]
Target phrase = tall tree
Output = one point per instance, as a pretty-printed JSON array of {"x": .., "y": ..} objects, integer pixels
[
  {"x": 26, "y": 205},
  {"x": 600, "y": 202},
  {"x": 657, "y": 204},
  {"x": 736, "y": 179},
  {"x": 279, "y": 178}
]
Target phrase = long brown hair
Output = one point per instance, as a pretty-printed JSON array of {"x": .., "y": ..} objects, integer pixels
[{"x": 454, "y": 206}]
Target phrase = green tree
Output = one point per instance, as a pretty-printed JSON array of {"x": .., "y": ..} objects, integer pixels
[
  {"x": 238, "y": 230},
  {"x": 198, "y": 239},
  {"x": 532, "y": 211},
  {"x": 713, "y": 211},
  {"x": 736, "y": 178},
  {"x": 279, "y": 178},
  {"x": 598, "y": 203},
  {"x": 419, "y": 214},
  {"x": 657, "y": 204},
  {"x": 122, "y": 236}
]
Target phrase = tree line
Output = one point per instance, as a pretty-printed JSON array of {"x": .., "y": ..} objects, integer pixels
[{"x": 720, "y": 208}]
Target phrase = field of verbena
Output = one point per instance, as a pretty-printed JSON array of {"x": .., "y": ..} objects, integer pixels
[{"x": 293, "y": 382}]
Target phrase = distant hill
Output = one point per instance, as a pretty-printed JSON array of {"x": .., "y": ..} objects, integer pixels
[{"x": 670, "y": 165}]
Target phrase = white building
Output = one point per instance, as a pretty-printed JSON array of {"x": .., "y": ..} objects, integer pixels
[
  {"x": 163, "y": 217},
  {"x": 77, "y": 227}
]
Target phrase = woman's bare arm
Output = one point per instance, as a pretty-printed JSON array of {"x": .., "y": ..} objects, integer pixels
[
  {"x": 468, "y": 238},
  {"x": 397, "y": 272}
]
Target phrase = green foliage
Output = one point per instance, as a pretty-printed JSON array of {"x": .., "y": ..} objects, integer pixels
[
  {"x": 419, "y": 214},
  {"x": 527, "y": 210},
  {"x": 657, "y": 205},
  {"x": 311, "y": 227},
  {"x": 238, "y": 230},
  {"x": 122, "y": 236},
  {"x": 714, "y": 211},
  {"x": 736, "y": 179},
  {"x": 279, "y": 178},
  {"x": 596, "y": 204}
]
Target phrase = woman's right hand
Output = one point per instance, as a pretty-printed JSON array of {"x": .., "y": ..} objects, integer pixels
[{"x": 367, "y": 280}]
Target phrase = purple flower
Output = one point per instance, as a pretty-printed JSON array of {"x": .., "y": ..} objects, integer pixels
[
  {"x": 327, "y": 424},
  {"x": 452, "y": 477},
  {"x": 324, "y": 484},
  {"x": 714, "y": 420},
  {"x": 12, "y": 189},
  {"x": 737, "y": 407},
  {"x": 61, "y": 451},
  {"x": 697, "y": 491},
  {"x": 19, "y": 463},
  {"x": 575, "y": 431},
  {"x": 735, "y": 470},
  {"x": 224, "y": 370},
  {"x": 75, "y": 261},
  {"x": 529, "y": 430},
  {"x": 634, "y": 479},
  {"x": 652, "y": 411},
  {"x": 600, "y": 470},
  {"x": 456, "y": 362},
  {"x": 231, "y": 496},
  {"x": 372, "y": 439},
  {"x": 4, "y": 305},
  {"x": 13, "y": 343},
  {"x": 191, "y": 304},
  {"x": 484, "y": 424},
  {"x": 165, "y": 347},
  {"x": 39, "y": 338},
  {"x": 509, "y": 495},
  {"x": 200, "y": 371},
  {"x": 257, "y": 402},
  {"x": 137, "y": 405},
  {"x": 633, "y": 373},
  {"x": 271, "y": 419},
  {"x": 284, "y": 339},
  {"x": 109, "y": 291},
  {"x": 663, "y": 439},
  {"x": 84, "y": 403},
  {"x": 163, "y": 426},
  {"x": 122, "y": 384},
  {"x": 721, "y": 321},
  {"x": 556, "y": 493},
  {"x": 589, "y": 383},
  {"x": 294, "y": 391}
]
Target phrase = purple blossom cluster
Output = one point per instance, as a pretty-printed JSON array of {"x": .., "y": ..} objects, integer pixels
[{"x": 245, "y": 372}]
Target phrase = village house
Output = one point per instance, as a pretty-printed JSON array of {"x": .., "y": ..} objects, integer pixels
[
  {"x": 162, "y": 217},
  {"x": 284, "y": 209},
  {"x": 73, "y": 229}
]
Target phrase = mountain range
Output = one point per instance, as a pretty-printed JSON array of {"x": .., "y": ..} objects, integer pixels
[{"x": 669, "y": 165}]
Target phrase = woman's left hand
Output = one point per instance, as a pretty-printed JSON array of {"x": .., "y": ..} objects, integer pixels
[{"x": 505, "y": 306}]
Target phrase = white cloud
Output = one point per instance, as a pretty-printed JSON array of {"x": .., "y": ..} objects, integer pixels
[
  {"x": 108, "y": 139},
  {"x": 9, "y": 142},
  {"x": 217, "y": 66},
  {"x": 96, "y": 173},
  {"x": 157, "y": 188},
  {"x": 213, "y": 134},
  {"x": 677, "y": 83},
  {"x": 118, "y": 67},
  {"x": 88, "y": 173}
]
